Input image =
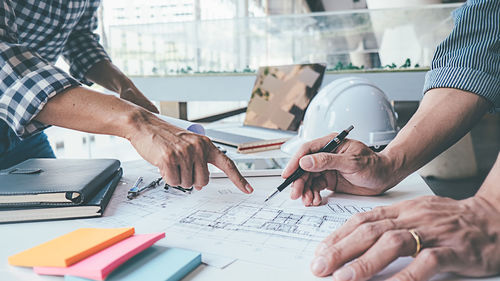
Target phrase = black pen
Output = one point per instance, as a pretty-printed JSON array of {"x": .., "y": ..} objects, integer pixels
[{"x": 329, "y": 147}]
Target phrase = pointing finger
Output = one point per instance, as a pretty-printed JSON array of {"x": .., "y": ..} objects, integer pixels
[{"x": 221, "y": 161}]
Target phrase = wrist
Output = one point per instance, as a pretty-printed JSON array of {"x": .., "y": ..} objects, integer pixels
[
  {"x": 135, "y": 122},
  {"x": 394, "y": 162},
  {"x": 141, "y": 122}
]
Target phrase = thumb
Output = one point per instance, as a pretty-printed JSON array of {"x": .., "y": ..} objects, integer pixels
[{"x": 319, "y": 162}]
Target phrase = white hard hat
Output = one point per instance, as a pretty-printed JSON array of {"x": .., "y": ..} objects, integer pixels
[{"x": 344, "y": 102}]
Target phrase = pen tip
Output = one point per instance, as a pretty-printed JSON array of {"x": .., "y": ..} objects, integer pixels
[
  {"x": 350, "y": 128},
  {"x": 271, "y": 196}
]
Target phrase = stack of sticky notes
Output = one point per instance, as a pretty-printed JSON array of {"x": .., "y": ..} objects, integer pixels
[{"x": 108, "y": 254}]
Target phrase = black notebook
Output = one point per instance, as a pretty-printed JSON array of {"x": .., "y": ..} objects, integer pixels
[
  {"x": 93, "y": 208},
  {"x": 54, "y": 182}
]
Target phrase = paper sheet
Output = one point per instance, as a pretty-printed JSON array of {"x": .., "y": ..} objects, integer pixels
[
  {"x": 186, "y": 125},
  {"x": 223, "y": 221}
]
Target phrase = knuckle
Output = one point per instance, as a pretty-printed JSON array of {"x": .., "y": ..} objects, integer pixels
[
  {"x": 321, "y": 160},
  {"x": 363, "y": 267},
  {"x": 393, "y": 239},
  {"x": 360, "y": 218},
  {"x": 330, "y": 240},
  {"x": 204, "y": 140},
  {"x": 335, "y": 254},
  {"x": 431, "y": 256},
  {"x": 305, "y": 147},
  {"x": 189, "y": 147},
  {"x": 369, "y": 228},
  {"x": 380, "y": 211},
  {"x": 228, "y": 162},
  {"x": 169, "y": 155}
]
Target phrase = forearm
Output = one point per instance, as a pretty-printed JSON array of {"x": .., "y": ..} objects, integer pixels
[
  {"x": 181, "y": 156},
  {"x": 86, "y": 110},
  {"x": 106, "y": 74},
  {"x": 444, "y": 116},
  {"x": 110, "y": 77}
]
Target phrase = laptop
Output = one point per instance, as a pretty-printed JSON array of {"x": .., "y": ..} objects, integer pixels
[{"x": 277, "y": 105}]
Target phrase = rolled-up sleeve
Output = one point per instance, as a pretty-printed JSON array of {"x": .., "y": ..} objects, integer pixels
[
  {"x": 469, "y": 58},
  {"x": 83, "y": 50},
  {"x": 27, "y": 81}
]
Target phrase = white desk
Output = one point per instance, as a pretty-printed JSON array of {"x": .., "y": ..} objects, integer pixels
[{"x": 17, "y": 237}]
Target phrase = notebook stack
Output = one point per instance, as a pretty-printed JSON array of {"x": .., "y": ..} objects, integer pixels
[
  {"x": 108, "y": 254},
  {"x": 43, "y": 189}
]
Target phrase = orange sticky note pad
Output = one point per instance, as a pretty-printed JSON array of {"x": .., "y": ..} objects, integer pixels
[{"x": 70, "y": 248}]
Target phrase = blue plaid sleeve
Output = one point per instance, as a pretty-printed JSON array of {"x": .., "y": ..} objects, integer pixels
[
  {"x": 469, "y": 58},
  {"x": 27, "y": 81},
  {"x": 83, "y": 50}
]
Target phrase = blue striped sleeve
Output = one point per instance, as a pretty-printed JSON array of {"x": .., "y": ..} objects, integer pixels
[{"x": 469, "y": 58}]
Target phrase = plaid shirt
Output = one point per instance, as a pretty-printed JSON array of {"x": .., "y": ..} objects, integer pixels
[{"x": 33, "y": 34}]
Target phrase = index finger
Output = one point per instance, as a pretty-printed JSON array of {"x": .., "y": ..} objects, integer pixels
[
  {"x": 221, "y": 161},
  {"x": 307, "y": 148}
]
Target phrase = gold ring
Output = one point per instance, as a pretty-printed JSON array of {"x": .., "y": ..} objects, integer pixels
[{"x": 418, "y": 240}]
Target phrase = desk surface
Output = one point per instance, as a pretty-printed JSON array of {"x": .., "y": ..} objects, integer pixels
[{"x": 20, "y": 236}]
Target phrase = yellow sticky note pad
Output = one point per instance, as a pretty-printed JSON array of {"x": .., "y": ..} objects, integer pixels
[{"x": 70, "y": 248}]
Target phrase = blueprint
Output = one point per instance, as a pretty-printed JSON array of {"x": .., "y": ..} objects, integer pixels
[
  {"x": 262, "y": 219},
  {"x": 222, "y": 221}
]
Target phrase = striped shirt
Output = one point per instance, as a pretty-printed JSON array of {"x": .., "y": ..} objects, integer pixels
[
  {"x": 33, "y": 34},
  {"x": 469, "y": 58}
]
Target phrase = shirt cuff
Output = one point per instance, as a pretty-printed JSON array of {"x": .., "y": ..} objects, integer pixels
[
  {"x": 466, "y": 79},
  {"x": 26, "y": 97}
]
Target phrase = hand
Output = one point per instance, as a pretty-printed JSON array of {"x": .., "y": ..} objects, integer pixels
[
  {"x": 354, "y": 168},
  {"x": 457, "y": 236},
  {"x": 181, "y": 156},
  {"x": 130, "y": 93}
]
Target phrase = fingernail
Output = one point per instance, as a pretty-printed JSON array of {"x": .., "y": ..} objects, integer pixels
[
  {"x": 343, "y": 274},
  {"x": 318, "y": 265},
  {"x": 249, "y": 188},
  {"x": 306, "y": 162}
]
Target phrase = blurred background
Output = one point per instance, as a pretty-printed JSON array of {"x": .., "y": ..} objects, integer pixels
[{"x": 175, "y": 49}]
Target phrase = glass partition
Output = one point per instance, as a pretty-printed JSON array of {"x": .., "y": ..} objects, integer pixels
[{"x": 358, "y": 40}]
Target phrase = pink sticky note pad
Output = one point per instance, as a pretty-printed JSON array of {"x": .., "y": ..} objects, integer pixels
[{"x": 99, "y": 265}]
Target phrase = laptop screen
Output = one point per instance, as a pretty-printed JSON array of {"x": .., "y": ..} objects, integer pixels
[{"x": 281, "y": 95}]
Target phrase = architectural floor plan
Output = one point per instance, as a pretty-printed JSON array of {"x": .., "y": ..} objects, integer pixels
[
  {"x": 262, "y": 219},
  {"x": 221, "y": 220}
]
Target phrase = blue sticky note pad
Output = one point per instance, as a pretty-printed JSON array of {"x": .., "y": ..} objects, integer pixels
[{"x": 156, "y": 263}]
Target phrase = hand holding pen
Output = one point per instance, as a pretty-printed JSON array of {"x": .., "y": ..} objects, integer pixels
[
  {"x": 354, "y": 168},
  {"x": 329, "y": 147}
]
